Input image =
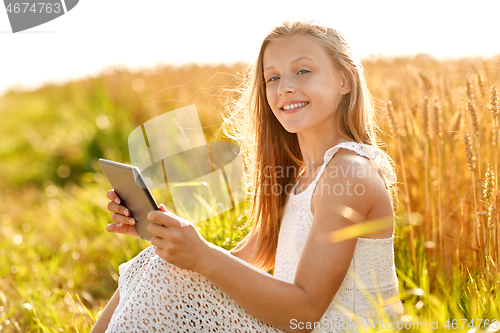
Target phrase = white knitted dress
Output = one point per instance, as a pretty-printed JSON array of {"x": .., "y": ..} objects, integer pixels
[{"x": 156, "y": 296}]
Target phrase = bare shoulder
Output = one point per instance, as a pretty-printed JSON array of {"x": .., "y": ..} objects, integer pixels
[
  {"x": 350, "y": 183},
  {"x": 351, "y": 180}
]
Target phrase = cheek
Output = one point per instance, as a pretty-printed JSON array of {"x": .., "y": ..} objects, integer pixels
[
  {"x": 271, "y": 98},
  {"x": 269, "y": 94},
  {"x": 276, "y": 115},
  {"x": 325, "y": 97}
]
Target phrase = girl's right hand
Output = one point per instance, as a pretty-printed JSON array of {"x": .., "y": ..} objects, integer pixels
[{"x": 124, "y": 223}]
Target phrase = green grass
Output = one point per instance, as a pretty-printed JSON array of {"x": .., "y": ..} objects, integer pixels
[{"x": 58, "y": 265}]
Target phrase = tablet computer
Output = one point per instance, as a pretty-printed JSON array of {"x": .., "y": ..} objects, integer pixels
[{"x": 129, "y": 185}]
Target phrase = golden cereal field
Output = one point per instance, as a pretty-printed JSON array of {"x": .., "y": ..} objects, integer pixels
[{"x": 440, "y": 121}]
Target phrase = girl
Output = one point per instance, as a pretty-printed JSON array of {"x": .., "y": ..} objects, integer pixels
[{"x": 306, "y": 107}]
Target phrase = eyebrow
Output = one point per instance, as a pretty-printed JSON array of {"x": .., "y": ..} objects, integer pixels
[{"x": 293, "y": 61}]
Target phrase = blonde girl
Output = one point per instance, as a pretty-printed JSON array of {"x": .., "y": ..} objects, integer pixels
[{"x": 306, "y": 108}]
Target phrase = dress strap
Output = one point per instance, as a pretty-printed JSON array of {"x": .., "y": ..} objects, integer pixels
[
  {"x": 379, "y": 157},
  {"x": 328, "y": 156}
]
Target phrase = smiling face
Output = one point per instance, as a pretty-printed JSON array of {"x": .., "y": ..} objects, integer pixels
[{"x": 303, "y": 87}]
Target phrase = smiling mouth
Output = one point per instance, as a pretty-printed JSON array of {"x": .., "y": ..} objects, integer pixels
[{"x": 294, "y": 106}]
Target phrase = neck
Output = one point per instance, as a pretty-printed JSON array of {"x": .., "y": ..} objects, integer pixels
[{"x": 314, "y": 146}]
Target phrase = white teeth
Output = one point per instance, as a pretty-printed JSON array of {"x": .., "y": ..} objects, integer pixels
[{"x": 293, "y": 106}]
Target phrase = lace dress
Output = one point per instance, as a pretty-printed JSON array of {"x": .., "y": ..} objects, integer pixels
[{"x": 156, "y": 296}]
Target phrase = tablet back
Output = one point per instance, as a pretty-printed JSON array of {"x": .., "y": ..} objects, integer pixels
[{"x": 129, "y": 185}]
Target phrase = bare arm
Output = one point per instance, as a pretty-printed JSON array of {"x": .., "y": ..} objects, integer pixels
[
  {"x": 103, "y": 321},
  {"x": 279, "y": 303},
  {"x": 247, "y": 251},
  {"x": 270, "y": 300}
]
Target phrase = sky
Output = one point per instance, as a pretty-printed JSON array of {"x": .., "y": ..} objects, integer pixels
[{"x": 99, "y": 34}]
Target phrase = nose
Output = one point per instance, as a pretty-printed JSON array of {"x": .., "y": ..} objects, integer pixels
[{"x": 286, "y": 86}]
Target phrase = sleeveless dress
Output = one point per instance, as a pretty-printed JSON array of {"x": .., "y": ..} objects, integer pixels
[{"x": 156, "y": 296}]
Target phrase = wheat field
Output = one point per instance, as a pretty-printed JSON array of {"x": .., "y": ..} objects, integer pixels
[{"x": 438, "y": 118}]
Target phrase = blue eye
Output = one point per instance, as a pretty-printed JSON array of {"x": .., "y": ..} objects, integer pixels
[
  {"x": 272, "y": 79},
  {"x": 304, "y": 71}
]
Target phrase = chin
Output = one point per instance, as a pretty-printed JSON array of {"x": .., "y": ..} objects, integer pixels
[
  {"x": 293, "y": 129},
  {"x": 294, "y": 125}
]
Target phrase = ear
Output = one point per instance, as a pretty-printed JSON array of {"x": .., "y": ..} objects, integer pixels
[{"x": 345, "y": 86}]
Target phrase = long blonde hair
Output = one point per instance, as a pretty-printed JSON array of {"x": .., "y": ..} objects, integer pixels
[{"x": 266, "y": 147}]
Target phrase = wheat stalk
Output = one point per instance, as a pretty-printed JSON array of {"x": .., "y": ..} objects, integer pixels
[
  {"x": 489, "y": 183},
  {"x": 455, "y": 124},
  {"x": 459, "y": 122},
  {"x": 493, "y": 216},
  {"x": 448, "y": 97},
  {"x": 471, "y": 163},
  {"x": 475, "y": 129},
  {"x": 495, "y": 107},
  {"x": 395, "y": 129},
  {"x": 426, "y": 82},
  {"x": 410, "y": 124},
  {"x": 469, "y": 89},
  {"x": 473, "y": 117},
  {"x": 437, "y": 118},
  {"x": 393, "y": 123},
  {"x": 428, "y": 179},
  {"x": 471, "y": 159},
  {"x": 489, "y": 188},
  {"x": 493, "y": 226},
  {"x": 495, "y": 110},
  {"x": 437, "y": 126},
  {"x": 481, "y": 85},
  {"x": 425, "y": 117}
]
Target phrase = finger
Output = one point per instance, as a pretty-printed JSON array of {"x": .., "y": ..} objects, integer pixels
[
  {"x": 161, "y": 252},
  {"x": 118, "y": 209},
  {"x": 156, "y": 241},
  {"x": 123, "y": 219},
  {"x": 158, "y": 230},
  {"x": 114, "y": 227},
  {"x": 162, "y": 218},
  {"x": 113, "y": 196},
  {"x": 163, "y": 208}
]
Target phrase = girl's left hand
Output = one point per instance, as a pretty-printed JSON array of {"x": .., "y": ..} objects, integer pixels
[{"x": 177, "y": 240}]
